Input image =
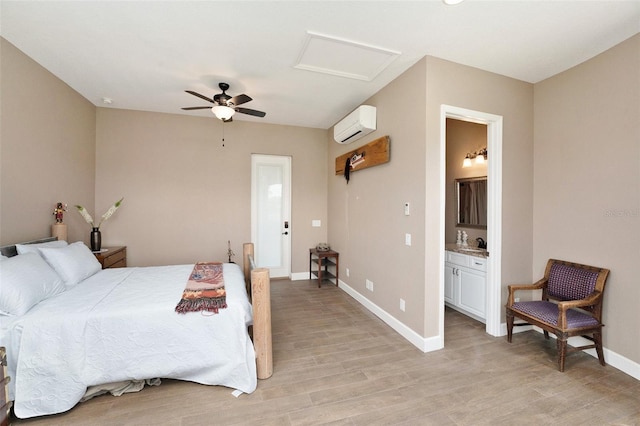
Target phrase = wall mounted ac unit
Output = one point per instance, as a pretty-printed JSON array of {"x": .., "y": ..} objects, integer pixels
[{"x": 359, "y": 123}]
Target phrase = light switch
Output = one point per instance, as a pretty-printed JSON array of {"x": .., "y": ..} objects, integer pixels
[
  {"x": 406, "y": 209},
  {"x": 407, "y": 239}
]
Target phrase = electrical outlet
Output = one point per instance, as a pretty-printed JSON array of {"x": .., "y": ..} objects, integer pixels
[
  {"x": 347, "y": 272},
  {"x": 517, "y": 299},
  {"x": 402, "y": 305},
  {"x": 407, "y": 239},
  {"x": 369, "y": 284}
]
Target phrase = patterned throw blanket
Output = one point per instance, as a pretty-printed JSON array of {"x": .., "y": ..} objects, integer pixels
[{"x": 205, "y": 289}]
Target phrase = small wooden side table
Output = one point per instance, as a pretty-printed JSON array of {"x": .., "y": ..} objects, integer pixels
[
  {"x": 324, "y": 260},
  {"x": 112, "y": 257}
]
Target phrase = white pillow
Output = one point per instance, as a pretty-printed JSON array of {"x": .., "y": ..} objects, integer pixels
[
  {"x": 3, "y": 257},
  {"x": 34, "y": 248},
  {"x": 73, "y": 263},
  {"x": 26, "y": 280}
]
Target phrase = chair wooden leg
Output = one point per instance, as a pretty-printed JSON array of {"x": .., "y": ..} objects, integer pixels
[
  {"x": 546, "y": 334},
  {"x": 562, "y": 353},
  {"x": 509, "y": 327},
  {"x": 597, "y": 340}
]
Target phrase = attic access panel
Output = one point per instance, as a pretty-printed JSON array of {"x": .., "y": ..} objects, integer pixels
[{"x": 345, "y": 58}]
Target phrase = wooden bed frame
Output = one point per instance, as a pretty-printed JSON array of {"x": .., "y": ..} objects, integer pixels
[{"x": 259, "y": 291}]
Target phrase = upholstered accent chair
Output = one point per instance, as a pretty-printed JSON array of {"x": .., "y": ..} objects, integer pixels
[{"x": 571, "y": 305}]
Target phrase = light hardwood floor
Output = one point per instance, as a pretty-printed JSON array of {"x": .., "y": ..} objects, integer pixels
[{"x": 336, "y": 363}]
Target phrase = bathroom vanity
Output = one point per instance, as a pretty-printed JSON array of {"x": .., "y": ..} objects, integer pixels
[{"x": 465, "y": 280}]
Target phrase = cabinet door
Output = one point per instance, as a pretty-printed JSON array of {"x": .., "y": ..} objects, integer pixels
[
  {"x": 449, "y": 279},
  {"x": 472, "y": 291}
]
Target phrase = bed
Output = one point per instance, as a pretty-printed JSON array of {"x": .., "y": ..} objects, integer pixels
[{"x": 120, "y": 325}]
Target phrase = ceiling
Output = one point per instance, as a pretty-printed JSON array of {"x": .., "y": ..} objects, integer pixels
[{"x": 143, "y": 55}]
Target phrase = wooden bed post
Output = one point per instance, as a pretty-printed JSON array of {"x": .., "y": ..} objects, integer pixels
[
  {"x": 259, "y": 289},
  {"x": 247, "y": 256},
  {"x": 261, "y": 301}
]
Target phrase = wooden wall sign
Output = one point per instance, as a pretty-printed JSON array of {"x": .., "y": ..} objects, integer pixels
[{"x": 372, "y": 154}]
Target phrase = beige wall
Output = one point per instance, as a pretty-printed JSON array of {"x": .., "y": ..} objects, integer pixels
[
  {"x": 587, "y": 180},
  {"x": 366, "y": 216},
  {"x": 367, "y": 224},
  {"x": 47, "y": 150},
  {"x": 186, "y": 195},
  {"x": 462, "y": 137},
  {"x": 162, "y": 164}
]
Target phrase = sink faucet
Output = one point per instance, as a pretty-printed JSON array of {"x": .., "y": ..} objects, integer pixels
[{"x": 481, "y": 243}]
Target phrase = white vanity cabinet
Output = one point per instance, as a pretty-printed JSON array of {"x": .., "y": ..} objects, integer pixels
[{"x": 465, "y": 283}]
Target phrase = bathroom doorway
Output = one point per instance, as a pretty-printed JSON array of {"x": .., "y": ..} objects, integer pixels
[
  {"x": 493, "y": 232},
  {"x": 466, "y": 169}
]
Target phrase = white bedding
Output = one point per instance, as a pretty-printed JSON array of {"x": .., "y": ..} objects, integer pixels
[{"x": 120, "y": 324}]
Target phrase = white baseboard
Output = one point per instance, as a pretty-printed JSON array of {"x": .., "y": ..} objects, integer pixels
[
  {"x": 520, "y": 329},
  {"x": 429, "y": 344},
  {"x": 424, "y": 344},
  {"x": 297, "y": 276},
  {"x": 610, "y": 357},
  {"x": 621, "y": 363}
]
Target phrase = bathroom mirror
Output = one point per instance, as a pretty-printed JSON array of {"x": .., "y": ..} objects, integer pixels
[{"x": 472, "y": 202}]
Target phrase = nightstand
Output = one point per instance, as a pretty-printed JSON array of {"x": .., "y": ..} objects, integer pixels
[{"x": 112, "y": 257}]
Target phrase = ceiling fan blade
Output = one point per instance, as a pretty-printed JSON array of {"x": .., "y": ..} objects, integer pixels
[
  {"x": 191, "y": 92},
  {"x": 192, "y": 108},
  {"x": 239, "y": 100},
  {"x": 251, "y": 112}
]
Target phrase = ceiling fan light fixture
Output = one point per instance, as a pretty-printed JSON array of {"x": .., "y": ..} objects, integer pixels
[
  {"x": 452, "y": 2},
  {"x": 223, "y": 112}
]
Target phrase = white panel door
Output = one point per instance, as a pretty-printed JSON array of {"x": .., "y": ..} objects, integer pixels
[{"x": 271, "y": 212}]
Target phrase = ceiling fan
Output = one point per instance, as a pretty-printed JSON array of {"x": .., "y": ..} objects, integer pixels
[{"x": 224, "y": 106}]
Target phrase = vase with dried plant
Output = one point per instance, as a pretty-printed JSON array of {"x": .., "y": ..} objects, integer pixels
[{"x": 96, "y": 236}]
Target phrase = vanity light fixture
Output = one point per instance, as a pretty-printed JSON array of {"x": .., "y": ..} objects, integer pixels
[
  {"x": 480, "y": 156},
  {"x": 223, "y": 112}
]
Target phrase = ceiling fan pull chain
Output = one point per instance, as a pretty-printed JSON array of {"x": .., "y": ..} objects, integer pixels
[{"x": 223, "y": 134}]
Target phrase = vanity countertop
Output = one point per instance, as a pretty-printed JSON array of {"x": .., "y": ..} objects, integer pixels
[{"x": 470, "y": 250}]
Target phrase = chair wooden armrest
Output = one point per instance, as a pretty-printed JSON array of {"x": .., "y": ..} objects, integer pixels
[
  {"x": 528, "y": 287},
  {"x": 563, "y": 307}
]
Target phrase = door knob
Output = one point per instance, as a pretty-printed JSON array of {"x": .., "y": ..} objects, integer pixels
[{"x": 285, "y": 233}]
